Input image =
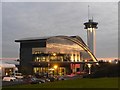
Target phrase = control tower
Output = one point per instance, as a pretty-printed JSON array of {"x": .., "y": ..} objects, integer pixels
[{"x": 91, "y": 34}]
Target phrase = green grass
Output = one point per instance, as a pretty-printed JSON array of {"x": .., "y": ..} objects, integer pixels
[{"x": 76, "y": 83}]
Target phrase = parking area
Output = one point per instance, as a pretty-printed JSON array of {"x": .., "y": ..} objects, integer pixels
[{"x": 34, "y": 80}]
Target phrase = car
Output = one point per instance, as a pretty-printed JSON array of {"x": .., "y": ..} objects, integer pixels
[
  {"x": 9, "y": 79},
  {"x": 71, "y": 75},
  {"x": 42, "y": 80},
  {"x": 33, "y": 80},
  {"x": 52, "y": 79},
  {"x": 61, "y": 78},
  {"x": 18, "y": 75},
  {"x": 47, "y": 80}
]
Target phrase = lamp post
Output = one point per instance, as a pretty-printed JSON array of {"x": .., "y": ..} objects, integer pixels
[{"x": 89, "y": 66}]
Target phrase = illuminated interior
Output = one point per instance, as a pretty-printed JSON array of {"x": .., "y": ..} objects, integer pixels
[{"x": 61, "y": 49}]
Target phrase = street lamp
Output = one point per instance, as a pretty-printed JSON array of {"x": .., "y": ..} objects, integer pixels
[{"x": 89, "y": 66}]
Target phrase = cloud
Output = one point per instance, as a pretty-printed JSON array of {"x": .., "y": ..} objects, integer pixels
[{"x": 58, "y": 18}]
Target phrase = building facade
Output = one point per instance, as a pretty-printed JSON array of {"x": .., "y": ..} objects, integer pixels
[
  {"x": 7, "y": 69},
  {"x": 56, "y": 55}
]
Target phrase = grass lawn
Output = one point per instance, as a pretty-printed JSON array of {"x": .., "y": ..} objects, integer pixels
[{"x": 76, "y": 83}]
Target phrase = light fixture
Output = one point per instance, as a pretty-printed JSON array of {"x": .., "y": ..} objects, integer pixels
[
  {"x": 89, "y": 66},
  {"x": 55, "y": 66},
  {"x": 110, "y": 61},
  {"x": 54, "y": 54},
  {"x": 37, "y": 58}
]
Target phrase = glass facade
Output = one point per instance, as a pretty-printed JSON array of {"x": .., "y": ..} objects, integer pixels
[
  {"x": 59, "y": 71},
  {"x": 55, "y": 55},
  {"x": 43, "y": 57},
  {"x": 57, "y": 50}
]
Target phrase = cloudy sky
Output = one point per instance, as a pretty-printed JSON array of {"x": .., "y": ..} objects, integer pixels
[{"x": 38, "y": 19}]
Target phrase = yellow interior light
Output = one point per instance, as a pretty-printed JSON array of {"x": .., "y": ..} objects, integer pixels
[{"x": 55, "y": 66}]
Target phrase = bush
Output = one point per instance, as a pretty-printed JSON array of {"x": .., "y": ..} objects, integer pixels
[{"x": 105, "y": 70}]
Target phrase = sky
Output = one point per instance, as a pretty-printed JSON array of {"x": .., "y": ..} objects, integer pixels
[{"x": 39, "y": 19}]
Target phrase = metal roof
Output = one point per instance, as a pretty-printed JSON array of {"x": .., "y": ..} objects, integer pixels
[
  {"x": 47, "y": 37},
  {"x": 33, "y": 38}
]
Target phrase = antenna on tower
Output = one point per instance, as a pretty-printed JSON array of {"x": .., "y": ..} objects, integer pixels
[
  {"x": 92, "y": 18},
  {"x": 88, "y": 13},
  {"x": 89, "y": 18}
]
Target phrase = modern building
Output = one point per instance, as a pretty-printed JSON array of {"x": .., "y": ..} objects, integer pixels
[
  {"x": 54, "y": 55},
  {"x": 7, "y": 69}
]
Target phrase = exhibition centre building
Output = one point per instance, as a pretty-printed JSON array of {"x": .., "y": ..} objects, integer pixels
[{"x": 56, "y": 55}]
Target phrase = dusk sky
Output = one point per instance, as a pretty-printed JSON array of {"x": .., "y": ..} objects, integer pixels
[{"x": 39, "y": 19}]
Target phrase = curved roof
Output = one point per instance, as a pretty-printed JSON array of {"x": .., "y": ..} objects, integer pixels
[
  {"x": 78, "y": 41},
  {"x": 75, "y": 39}
]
